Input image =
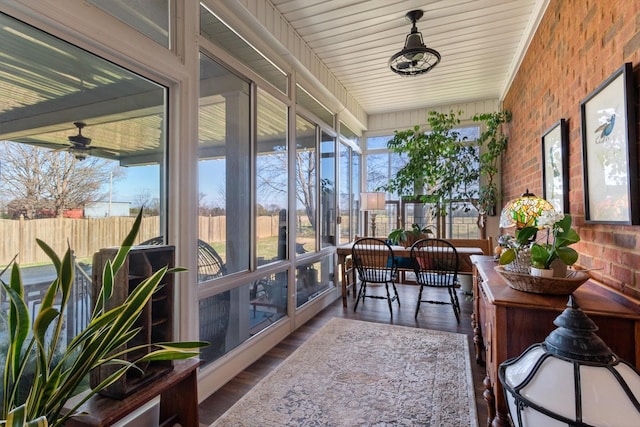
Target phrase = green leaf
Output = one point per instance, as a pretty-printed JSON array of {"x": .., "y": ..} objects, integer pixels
[
  {"x": 18, "y": 330},
  {"x": 128, "y": 241},
  {"x": 524, "y": 235},
  {"x": 41, "y": 324},
  {"x": 507, "y": 256},
  {"x": 167, "y": 354},
  {"x": 17, "y": 417},
  {"x": 50, "y": 253},
  {"x": 540, "y": 256},
  {"x": 568, "y": 255}
]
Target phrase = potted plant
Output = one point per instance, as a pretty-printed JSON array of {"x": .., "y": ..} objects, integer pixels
[
  {"x": 39, "y": 377},
  {"x": 406, "y": 238},
  {"x": 442, "y": 163},
  {"x": 554, "y": 251}
]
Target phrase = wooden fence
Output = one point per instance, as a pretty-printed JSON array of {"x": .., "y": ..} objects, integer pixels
[{"x": 88, "y": 235}]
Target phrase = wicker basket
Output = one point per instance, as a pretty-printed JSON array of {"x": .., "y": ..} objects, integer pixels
[{"x": 543, "y": 285}]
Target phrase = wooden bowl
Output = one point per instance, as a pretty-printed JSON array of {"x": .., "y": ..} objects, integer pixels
[{"x": 543, "y": 285}]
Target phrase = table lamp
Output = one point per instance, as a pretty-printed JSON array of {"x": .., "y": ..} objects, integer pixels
[
  {"x": 572, "y": 379},
  {"x": 372, "y": 202},
  {"x": 524, "y": 211}
]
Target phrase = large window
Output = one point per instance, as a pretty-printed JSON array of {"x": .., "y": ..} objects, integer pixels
[
  {"x": 272, "y": 180},
  {"x": 327, "y": 190},
  {"x": 460, "y": 219},
  {"x": 306, "y": 176},
  {"x": 82, "y": 149},
  {"x": 224, "y": 167},
  {"x": 345, "y": 193}
]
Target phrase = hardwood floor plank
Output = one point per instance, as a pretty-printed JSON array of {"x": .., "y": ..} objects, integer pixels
[{"x": 430, "y": 317}]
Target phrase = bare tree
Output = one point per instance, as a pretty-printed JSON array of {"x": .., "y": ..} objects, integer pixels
[
  {"x": 271, "y": 177},
  {"x": 41, "y": 181}
]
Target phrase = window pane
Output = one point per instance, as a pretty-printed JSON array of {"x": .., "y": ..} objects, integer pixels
[
  {"x": 232, "y": 317},
  {"x": 224, "y": 165},
  {"x": 305, "y": 185},
  {"x": 221, "y": 35},
  {"x": 461, "y": 221},
  {"x": 310, "y": 103},
  {"x": 328, "y": 188},
  {"x": 150, "y": 17},
  {"x": 345, "y": 192},
  {"x": 82, "y": 148},
  {"x": 377, "y": 142},
  {"x": 272, "y": 179},
  {"x": 313, "y": 279},
  {"x": 356, "y": 161},
  {"x": 348, "y": 134},
  {"x": 377, "y": 171}
]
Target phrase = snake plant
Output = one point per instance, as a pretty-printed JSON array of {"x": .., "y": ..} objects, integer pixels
[{"x": 34, "y": 352}]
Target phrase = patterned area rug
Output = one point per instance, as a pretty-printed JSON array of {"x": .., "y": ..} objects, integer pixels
[{"x": 354, "y": 373}]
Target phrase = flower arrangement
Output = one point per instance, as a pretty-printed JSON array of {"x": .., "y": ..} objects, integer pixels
[
  {"x": 559, "y": 236},
  {"x": 562, "y": 235}
]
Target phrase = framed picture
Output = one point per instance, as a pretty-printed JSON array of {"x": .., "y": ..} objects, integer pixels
[
  {"x": 609, "y": 160},
  {"x": 555, "y": 166}
]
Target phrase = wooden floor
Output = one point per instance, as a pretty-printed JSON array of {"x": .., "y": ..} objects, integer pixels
[{"x": 439, "y": 317}]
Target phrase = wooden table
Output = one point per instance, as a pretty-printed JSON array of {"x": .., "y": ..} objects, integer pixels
[
  {"x": 464, "y": 252},
  {"x": 507, "y": 321}
]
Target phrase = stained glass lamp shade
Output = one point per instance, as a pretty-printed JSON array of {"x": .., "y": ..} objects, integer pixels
[{"x": 524, "y": 211}]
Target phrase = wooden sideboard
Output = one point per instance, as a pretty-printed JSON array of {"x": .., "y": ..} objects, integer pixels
[
  {"x": 507, "y": 321},
  {"x": 178, "y": 391}
]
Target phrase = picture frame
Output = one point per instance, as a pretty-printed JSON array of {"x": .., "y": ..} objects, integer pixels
[
  {"x": 555, "y": 166},
  {"x": 609, "y": 154}
]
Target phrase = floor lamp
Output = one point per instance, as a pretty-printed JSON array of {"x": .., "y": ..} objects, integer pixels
[{"x": 372, "y": 202}]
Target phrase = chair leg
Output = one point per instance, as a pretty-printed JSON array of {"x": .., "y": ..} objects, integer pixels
[
  {"x": 455, "y": 303},
  {"x": 419, "y": 301},
  {"x": 396, "y": 292},
  {"x": 361, "y": 294},
  {"x": 386, "y": 286}
]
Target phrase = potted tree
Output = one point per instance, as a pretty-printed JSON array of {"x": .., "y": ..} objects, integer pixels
[
  {"x": 39, "y": 377},
  {"x": 441, "y": 163}
]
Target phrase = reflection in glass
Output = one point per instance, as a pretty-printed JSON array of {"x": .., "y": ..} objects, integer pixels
[
  {"x": 150, "y": 17},
  {"x": 230, "y": 318},
  {"x": 69, "y": 189},
  {"x": 313, "y": 279},
  {"x": 224, "y": 164},
  {"x": 348, "y": 134},
  {"x": 306, "y": 176},
  {"x": 271, "y": 180},
  {"x": 212, "y": 28},
  {"x": 305, "y": 99},
  {"x": 327, "y": 190},
  {"x": 344, "y": 200},
  {"x": 356, "y": 161}
]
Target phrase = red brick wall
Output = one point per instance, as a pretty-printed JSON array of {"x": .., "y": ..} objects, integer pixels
[{"x": 577, "y": 46}]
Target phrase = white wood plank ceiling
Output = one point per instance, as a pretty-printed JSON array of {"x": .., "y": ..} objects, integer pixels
[{"x": 481, "y": 43}]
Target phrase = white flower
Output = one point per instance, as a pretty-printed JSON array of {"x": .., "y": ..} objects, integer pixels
[{"x": 548, "y": 218}]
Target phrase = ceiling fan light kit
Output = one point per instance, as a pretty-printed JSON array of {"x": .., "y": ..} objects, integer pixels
[{"x": 415, "y": 58}]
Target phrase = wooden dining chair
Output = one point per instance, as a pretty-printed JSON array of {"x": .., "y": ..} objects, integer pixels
[
  {"x": 374, "y": 262},
  {"x": 436, "y": 265}
]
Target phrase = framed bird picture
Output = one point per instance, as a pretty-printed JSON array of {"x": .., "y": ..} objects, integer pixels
[
  {"x": 609, "y": 155},
  {"x": 555, "y": 166}
]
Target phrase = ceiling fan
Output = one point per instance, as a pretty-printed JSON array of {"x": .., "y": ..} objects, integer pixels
[{"x": 80, "y": 144}]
